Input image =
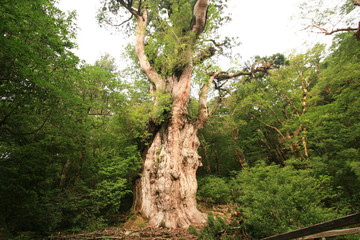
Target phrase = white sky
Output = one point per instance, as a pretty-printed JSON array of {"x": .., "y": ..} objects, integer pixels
[{"x": 264, "y": 27}]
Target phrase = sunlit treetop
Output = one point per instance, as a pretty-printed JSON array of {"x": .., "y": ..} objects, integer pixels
[{"x": 170, "y": 38}]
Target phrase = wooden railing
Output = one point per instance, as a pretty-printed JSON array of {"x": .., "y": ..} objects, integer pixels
[{"x": 323, "y": 230}]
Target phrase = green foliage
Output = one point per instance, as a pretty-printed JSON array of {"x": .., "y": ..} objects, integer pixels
[
  {"x": 335, "y": 131},
  {"x": 161, "y": 111},
  {"x": 275, "y": 200},
  {"x": 66, "y": 160},
  {"x": 220, "y": 145},
  {"x": 170, "y": 45},
  {"x": 36, "y": 70},
  {"x": 193, "y": 109},
  {"x": 217, "y": 228},
  {"x": 114, "y": 176},
  {"x": 168, "y": 48},
  {"x": 214, "y": 189},
  {"x": 309, "y": 105},
  {"x": 92, "y": 202}
]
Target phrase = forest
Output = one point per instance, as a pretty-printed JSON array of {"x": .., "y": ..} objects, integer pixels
[{"x": 172, "y": 138}]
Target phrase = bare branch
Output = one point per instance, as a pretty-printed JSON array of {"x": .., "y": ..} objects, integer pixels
[
  {"x": 330, "y": 32},
  {"x": 220, "y": 87},
  {"x": 216, "y": 43},
  {"x": 27, "y": 133},
  {"x": 118, "y": 25},
  {"x": 349, "y": 29},
  {"x": 275, "y": 128},
  {"x": 226, "y": 76}
]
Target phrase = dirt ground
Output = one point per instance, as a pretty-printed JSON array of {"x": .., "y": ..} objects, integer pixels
[
  {"x": 111, "y": 233},
  {"x": 134, "y": 230}
]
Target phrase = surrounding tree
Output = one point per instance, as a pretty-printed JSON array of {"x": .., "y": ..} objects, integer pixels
[
  {"x": 66, "y": 159},
  {"x": 302, "y": 114},
  {"x": 35, "y": 67},
  {"x": 333, "y": 129}
]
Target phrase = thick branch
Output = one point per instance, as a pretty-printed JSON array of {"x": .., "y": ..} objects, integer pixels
[
  {"x": 3, "y": 121},
  {"x": 26, "y": 133},
  {"x": 146, "y": 67},
  {"x": 262, "y": 68},
  {"x": 349, "y": 29},
  {"x": 203, "y": 109},
  {"x": 346, "y": 29},
  {"x": 128, "y": 6},
  {"x": 199, "y": 18},
  {"x": 220, "y": 76},
  {"x": 226, "y": 76},
  {"x": 142, "y": 20}
]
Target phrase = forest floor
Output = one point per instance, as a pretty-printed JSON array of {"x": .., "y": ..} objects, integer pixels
[{"x": 122, "y": 232}]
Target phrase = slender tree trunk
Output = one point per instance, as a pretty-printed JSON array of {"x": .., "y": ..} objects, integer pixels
[
  {"x": 64, "y": 173},
  {"x": 240, "y": 155},
  {"x": 207, "y": 160}
]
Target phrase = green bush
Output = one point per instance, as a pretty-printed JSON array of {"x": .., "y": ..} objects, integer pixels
[
  {"x": 274, "y": 200},
  {"x": 214, "y": 189},
  {"x": 217, "y": 228},
  {"x": 94, "y": 200}
]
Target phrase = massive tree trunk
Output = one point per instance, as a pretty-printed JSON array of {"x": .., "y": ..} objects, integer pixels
[{"x": 166, "y": 190}]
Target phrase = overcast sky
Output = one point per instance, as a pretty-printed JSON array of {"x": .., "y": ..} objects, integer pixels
[{"x": 264, "y": 27}]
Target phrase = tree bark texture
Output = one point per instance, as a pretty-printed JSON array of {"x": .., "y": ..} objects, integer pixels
[{"x": 166, "y": 191}]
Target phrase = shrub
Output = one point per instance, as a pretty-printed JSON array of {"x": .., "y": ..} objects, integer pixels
[
  {"x": 214, "y": 189},
  {"x": 217, "y": 228},
  {"x": 275, "y": 200}
]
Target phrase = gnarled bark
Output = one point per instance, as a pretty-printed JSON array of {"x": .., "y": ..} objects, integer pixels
[{"x": 166, "y": 190}]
